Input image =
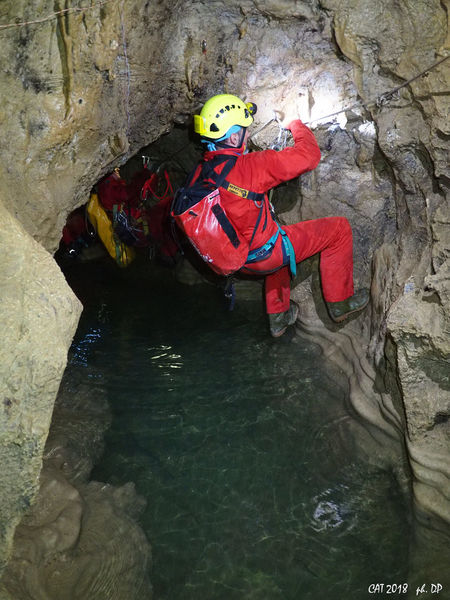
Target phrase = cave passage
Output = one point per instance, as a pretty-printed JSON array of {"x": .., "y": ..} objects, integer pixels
[{"x": 241, "y": 445}]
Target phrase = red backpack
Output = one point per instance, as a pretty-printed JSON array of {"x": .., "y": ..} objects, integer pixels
[{"x": 198, "y": 211}]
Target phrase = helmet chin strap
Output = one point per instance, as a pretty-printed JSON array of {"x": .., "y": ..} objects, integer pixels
[
  {"x": 213, "y": 145},
  {"x": 240, "y": 144}
]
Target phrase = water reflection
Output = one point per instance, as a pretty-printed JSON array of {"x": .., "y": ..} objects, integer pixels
[
  {"x": 81, "y": 350},
  {"x": 243, "y": 449}
]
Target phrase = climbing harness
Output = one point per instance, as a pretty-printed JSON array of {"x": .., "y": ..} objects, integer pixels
[{"x": 266, "y": 250}]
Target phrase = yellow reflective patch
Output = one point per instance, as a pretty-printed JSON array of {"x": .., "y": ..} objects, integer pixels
[{"x": 234, "y": 189}]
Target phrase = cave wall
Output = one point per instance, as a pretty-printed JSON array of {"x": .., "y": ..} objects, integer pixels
[
  {"x": 84, "y": 90},
  {"x": 81, "y": 92},
  {"x": 388, "y": 44},
  {"x": 39, "y": 315}
]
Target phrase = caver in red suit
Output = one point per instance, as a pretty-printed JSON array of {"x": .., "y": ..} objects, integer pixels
[
  {"x": 331, "y": 236},
  {"x": 222, "y": 125}
]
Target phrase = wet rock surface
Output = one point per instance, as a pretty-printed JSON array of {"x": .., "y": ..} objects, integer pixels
[
  {"x": 81, "y": 538},
  {"x": 85, "y": 90}
]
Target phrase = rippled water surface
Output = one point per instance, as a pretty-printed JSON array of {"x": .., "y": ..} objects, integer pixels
[{"x": 240, "y": 444}]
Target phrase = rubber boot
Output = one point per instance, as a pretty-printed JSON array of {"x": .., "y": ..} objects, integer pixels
[
  {"x": 279, "y": 322},
  {"x": 339, "y": 311}
]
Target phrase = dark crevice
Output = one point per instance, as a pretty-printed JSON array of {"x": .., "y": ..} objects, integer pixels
[
  {"x": 337, "y": 49},
  {"x": 426, "y": 160},
  {"x": 445, "y": 137},
  {"x": 441, "y": 418},
  {"x": 444, "y": 181}
]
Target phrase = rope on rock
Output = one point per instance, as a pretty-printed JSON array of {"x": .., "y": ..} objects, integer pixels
[
  {"x": 55, "y": 14},
  {"x": 378, "y": 101},
  {"x": 127, "y": 66}
]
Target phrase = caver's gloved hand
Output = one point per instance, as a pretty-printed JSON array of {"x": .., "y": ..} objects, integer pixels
[
  {"x": 290, "y": 125},
  {"x": 296, "y": 110},
  {"x": 288, "y": 118}
]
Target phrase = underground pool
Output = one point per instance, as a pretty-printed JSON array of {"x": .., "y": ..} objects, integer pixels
[{"x": 241, "y": 445}]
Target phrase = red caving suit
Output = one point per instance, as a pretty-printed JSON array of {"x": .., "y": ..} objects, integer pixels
[{"x": 331, "y": 236}]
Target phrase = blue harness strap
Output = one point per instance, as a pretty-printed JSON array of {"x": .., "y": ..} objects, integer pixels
[
  {"x": 266, "y": 250},
  {"x": 263, "y": 251},
  {"x": 289, "y": 249}
]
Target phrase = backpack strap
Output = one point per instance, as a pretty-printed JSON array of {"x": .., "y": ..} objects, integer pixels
[
  {"x": 243, "y": 193},
  {"x": 208, "y": 168},
  {"x": 207, "y": 171},
  {"x": 221, "y": 181}
]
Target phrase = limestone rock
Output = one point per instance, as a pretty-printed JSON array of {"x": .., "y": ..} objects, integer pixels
[
  {"x": 420, "y": 328},
  {"x": 419, "y": 323},
  {"x": 80, "y": 543},
  {"x": 83, "y": 82},
  {"x": 39, "y": 314},
  {"x": 80, "y": 539}
]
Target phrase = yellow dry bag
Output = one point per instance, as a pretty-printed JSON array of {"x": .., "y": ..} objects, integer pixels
[{"x": 121, "y": 253}]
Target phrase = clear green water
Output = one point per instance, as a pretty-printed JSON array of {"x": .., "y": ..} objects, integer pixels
[{"x": 240, "y": 444}]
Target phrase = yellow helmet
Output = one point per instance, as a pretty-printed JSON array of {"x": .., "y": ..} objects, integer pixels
[{"x": 220, "y": 113}]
